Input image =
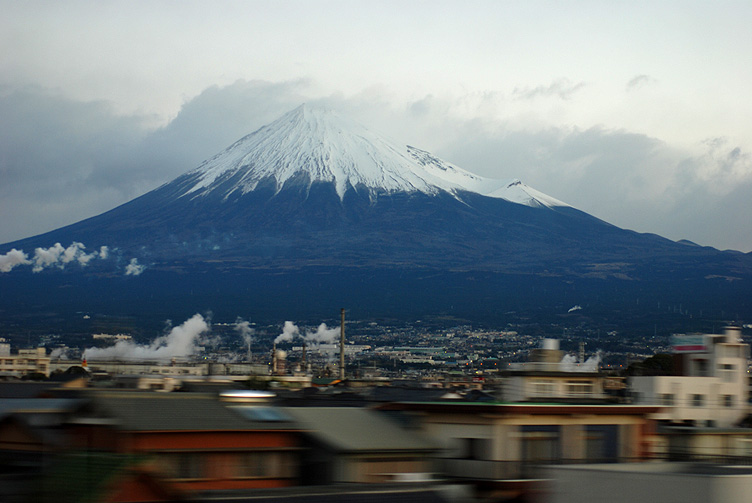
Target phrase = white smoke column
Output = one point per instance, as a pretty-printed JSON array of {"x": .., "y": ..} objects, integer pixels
[
  {"x": 289, "y": 331},
  {"x": 574, "y": 308},
  {"x": 322, "y": 335},
  {"x": 592, "y": 364},
  {"x": 180, "y": 342},
  {"x": 12, "y": 259},
  {"x": 59, "y": 354},
  {"x": 134, "y": 268},
  {"x": 243, "y": 328},
  {"x": 568, "y": 363}
]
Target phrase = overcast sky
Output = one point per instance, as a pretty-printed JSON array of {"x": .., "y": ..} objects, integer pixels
[{"x": 636, "y": 112}]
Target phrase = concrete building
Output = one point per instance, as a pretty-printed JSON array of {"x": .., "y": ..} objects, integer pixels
[
  {"x": 27, "y": 361},
  {"x": 504, "y": 442},
  {"x": 551, "y": 376},
  {"x": 710, "y": 386}
]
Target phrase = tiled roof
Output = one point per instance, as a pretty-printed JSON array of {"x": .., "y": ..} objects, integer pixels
[
  {"x": 144, "y": 411},
  {"x": 348, "y": 429}
]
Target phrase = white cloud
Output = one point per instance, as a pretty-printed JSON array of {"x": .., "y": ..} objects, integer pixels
[
  {"x": 58, "y": 256},
  {"x": 13, "y": 259},
  {"x": 134, "y": 268}
]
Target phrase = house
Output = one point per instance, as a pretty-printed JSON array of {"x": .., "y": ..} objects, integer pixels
[
  {"x": 551, "y": 376},
  {"x": 710, "y": 382},
  {"x": 499, "y": 441},
  {"x": 358, "y": 445},
  {"x": 193, "y": 440}
]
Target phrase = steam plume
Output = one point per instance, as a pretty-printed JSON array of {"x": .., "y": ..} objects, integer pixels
[
  {"x": 182, "y": 341},
  {"x": 570, "y": 364},
  {"x": 323, "y": 334},
  {"x": 243, "y": 328},
  {"x": 289, "y": 331}
]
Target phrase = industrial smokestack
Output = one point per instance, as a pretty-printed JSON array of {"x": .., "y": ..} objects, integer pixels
[
  {"x": 342, "y": 345},
  {"x": 274, "y": 359},
  {"x": 582, "y": 352}
]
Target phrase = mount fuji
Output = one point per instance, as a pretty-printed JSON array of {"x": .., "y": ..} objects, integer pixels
[{"x": 314, "y": 211}]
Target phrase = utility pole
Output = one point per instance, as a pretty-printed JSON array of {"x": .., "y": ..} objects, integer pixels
[{"x": 342, "y": 345}]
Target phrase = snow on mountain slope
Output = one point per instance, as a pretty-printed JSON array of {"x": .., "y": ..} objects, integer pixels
[{"x": 326, "y": 147}]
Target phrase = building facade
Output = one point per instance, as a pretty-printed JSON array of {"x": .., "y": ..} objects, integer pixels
[{"x": 710, "y": 386}]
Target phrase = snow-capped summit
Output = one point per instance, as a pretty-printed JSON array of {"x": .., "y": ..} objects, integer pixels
[{"x": 317, "y": 145}]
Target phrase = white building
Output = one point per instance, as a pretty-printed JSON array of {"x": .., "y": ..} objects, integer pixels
[
  {"x": 27, "y": 361},
  {"x": 710, "y": 387},
  {"x": 554, "y": 376}
]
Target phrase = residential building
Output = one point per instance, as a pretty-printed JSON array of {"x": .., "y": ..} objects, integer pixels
[
  {"x": 710, "y": 383},
  {"x": 552, "y": 376},
  {"x": 498, "y": 443},
  {"x": 358, "y": 445},
  {"x": 194, "y": 440},
  {"x": 27, "y": 361}
]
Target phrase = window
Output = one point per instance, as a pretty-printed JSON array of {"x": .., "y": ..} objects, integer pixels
[
  {"x": 183, "y": 465},
  {"x": 697, "y": 400},
  {"x": 474, "y": 448},
  {"x": 543, "y": 388},
  {"x": 667, "y": 399},
  {"x": 731, "y": 351},
  {"x": 726, "y": 372},
  {"x": 728, "y": 400},
  {"x": 253, "y": 464},
  {"x": 701, "y": 367},
  {"x": 540, "y": 443},
  {"x": 579, "y": 388}
]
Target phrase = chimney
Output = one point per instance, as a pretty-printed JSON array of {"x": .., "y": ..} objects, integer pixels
[
  {"x": 274, "y": 359},
  {"x": 342, "y": 345}
]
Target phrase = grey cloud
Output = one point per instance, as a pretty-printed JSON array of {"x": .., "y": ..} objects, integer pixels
[
  {"x": 63, "y": 160},
  {"x": 562, "y": 88},
  {"x": 630, "y": 180},
  {"x": 639, "y": 81}
]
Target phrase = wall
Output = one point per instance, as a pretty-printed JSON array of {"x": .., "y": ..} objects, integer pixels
[{"x": 643, "y": 482}]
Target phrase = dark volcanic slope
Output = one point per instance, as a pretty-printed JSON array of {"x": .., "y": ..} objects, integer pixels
[{"x": 310, "y": 226}]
